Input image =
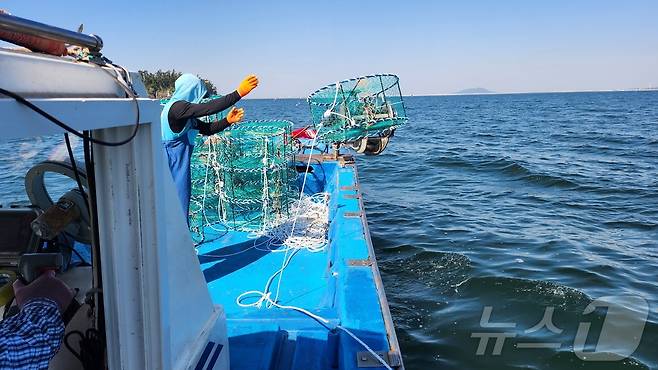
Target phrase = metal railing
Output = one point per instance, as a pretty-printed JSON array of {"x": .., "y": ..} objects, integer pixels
[{"x": 26, "y": 26}]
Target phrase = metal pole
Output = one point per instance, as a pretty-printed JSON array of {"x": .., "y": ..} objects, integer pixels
[{"x": 25, "y": 26}]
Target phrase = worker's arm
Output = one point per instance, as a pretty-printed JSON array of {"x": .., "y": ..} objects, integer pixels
[
  {"x": 181, "y": 111},
  {"x": 31, "y": 338},
  {"x": 234, "y": 116},
  {"x": 213, "y": 127}
]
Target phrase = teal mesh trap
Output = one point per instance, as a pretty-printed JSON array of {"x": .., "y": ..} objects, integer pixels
[
  {"x": 356, "y": 108},
  {"x": 243, "y": 178}
]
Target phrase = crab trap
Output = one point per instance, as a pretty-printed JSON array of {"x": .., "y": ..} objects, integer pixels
[
  {"x": 358, "y": 108},
  {"x": 243, "y": 178}
]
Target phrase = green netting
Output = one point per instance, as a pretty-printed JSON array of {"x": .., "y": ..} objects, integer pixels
[
  {"x": 360, "y": 107},
  {"x": 243, "y": 178}
]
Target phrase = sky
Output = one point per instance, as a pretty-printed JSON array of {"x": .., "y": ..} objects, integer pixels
[{"x": 435, "y": 47}]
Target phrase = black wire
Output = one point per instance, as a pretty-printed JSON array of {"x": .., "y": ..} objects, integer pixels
[
  {"x": 57, "y": 244},
  {"x": 324, "y": 174},
  {"x": 358, "y": 81},
  {"x": 75, "y": 169},
  {"x": 202, "y": 232},
  {"x": 80, "y": 188},
  {"x": 70, "y": 129},
  {"x": 7, "y": 307},
  {"x": 91, "y": 348},
  {"x": 84, "y": 262},
  {"x": 95, "y": 247},
  {"x": 313, "y": 147}
]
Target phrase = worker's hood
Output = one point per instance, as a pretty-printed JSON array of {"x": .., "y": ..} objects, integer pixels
[{"x": 189, "y": 88}]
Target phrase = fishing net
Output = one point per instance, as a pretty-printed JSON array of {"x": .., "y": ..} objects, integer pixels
[
  {"x": 360, "y": 107},
  {"x": 243, "y": 178}
]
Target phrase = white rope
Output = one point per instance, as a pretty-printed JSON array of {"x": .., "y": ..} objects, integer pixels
[
  {"x": 297, "y": 215},
  {"x": 330, "y": 110},
  {"x": 307, "y": 229}
]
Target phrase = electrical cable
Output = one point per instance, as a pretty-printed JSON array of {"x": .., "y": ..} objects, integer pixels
[
  {"x": 75, "y": 169},
  {"x": 82, "y": 260},
  {"x": 91, "y": 345},
  {"x": 5, "y": 313},
  {"x": 324, "y": 174},
  {"x": 97, "y": 282}
]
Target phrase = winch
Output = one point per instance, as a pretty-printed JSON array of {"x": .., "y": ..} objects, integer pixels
[{"x": 69, "y": 214}]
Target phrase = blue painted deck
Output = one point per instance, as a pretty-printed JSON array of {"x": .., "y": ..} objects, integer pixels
[{"x": 324, "y": 283}]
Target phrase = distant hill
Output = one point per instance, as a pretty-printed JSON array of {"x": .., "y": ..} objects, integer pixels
[{"x": 475, "y": 90}]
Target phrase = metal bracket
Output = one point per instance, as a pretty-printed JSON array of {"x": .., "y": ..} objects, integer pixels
[
  {"x": 351, "y": 196},
  {"x": 361, "y": 262},
  {"x": 366, "y": 359},
  {"x": 345, "y": 160},
  {"x": 348, "y": 188},
  {"x": 352, "y": 214}
]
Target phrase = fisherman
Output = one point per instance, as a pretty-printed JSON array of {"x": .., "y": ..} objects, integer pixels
[
  {"x": 180, "y": 125},
  {"x": 31, "y": 338}
]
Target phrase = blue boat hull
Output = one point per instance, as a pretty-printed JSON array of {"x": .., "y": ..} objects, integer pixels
[{"x": 341, "y": 284}]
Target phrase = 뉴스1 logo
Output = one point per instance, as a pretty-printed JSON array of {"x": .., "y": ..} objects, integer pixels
[
  {"x": 619, "y": 337},
  {"x": 621, "y": 332}
]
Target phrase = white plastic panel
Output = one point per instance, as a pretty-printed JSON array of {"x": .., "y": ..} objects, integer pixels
[{"x": 38, "y": 75}]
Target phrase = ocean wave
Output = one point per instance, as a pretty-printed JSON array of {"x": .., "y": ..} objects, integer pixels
[
  {"x": 538, "y": 292},
  {"x": 449, "y": 161},
  {"x": 520, "y": 172},
  {"x": 550, "y": 181},
  {"x": 425, "y": 269},
  {"x": 639, "y": 225}
]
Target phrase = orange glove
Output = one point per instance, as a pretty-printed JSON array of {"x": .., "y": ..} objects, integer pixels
[
  {"x": 249, "y": 83},
  {"x": 235, "y": 115}
]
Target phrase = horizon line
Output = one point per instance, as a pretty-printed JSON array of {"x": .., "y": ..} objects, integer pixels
[{"x": 644, "y": 89}]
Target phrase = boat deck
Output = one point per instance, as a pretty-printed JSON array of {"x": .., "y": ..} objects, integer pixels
[{"x": 341, "y": 284}]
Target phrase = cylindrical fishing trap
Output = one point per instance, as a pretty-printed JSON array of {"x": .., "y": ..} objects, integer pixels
[
  {"x": 361, "y": 107},
  {"x": 243, "y": 178}
]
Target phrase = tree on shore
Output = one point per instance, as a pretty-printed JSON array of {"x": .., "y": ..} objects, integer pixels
[{"x": 160, "y": 84}]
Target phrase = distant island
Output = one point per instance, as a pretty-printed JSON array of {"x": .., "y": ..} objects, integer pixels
[{"x": 475, "y": 90}]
